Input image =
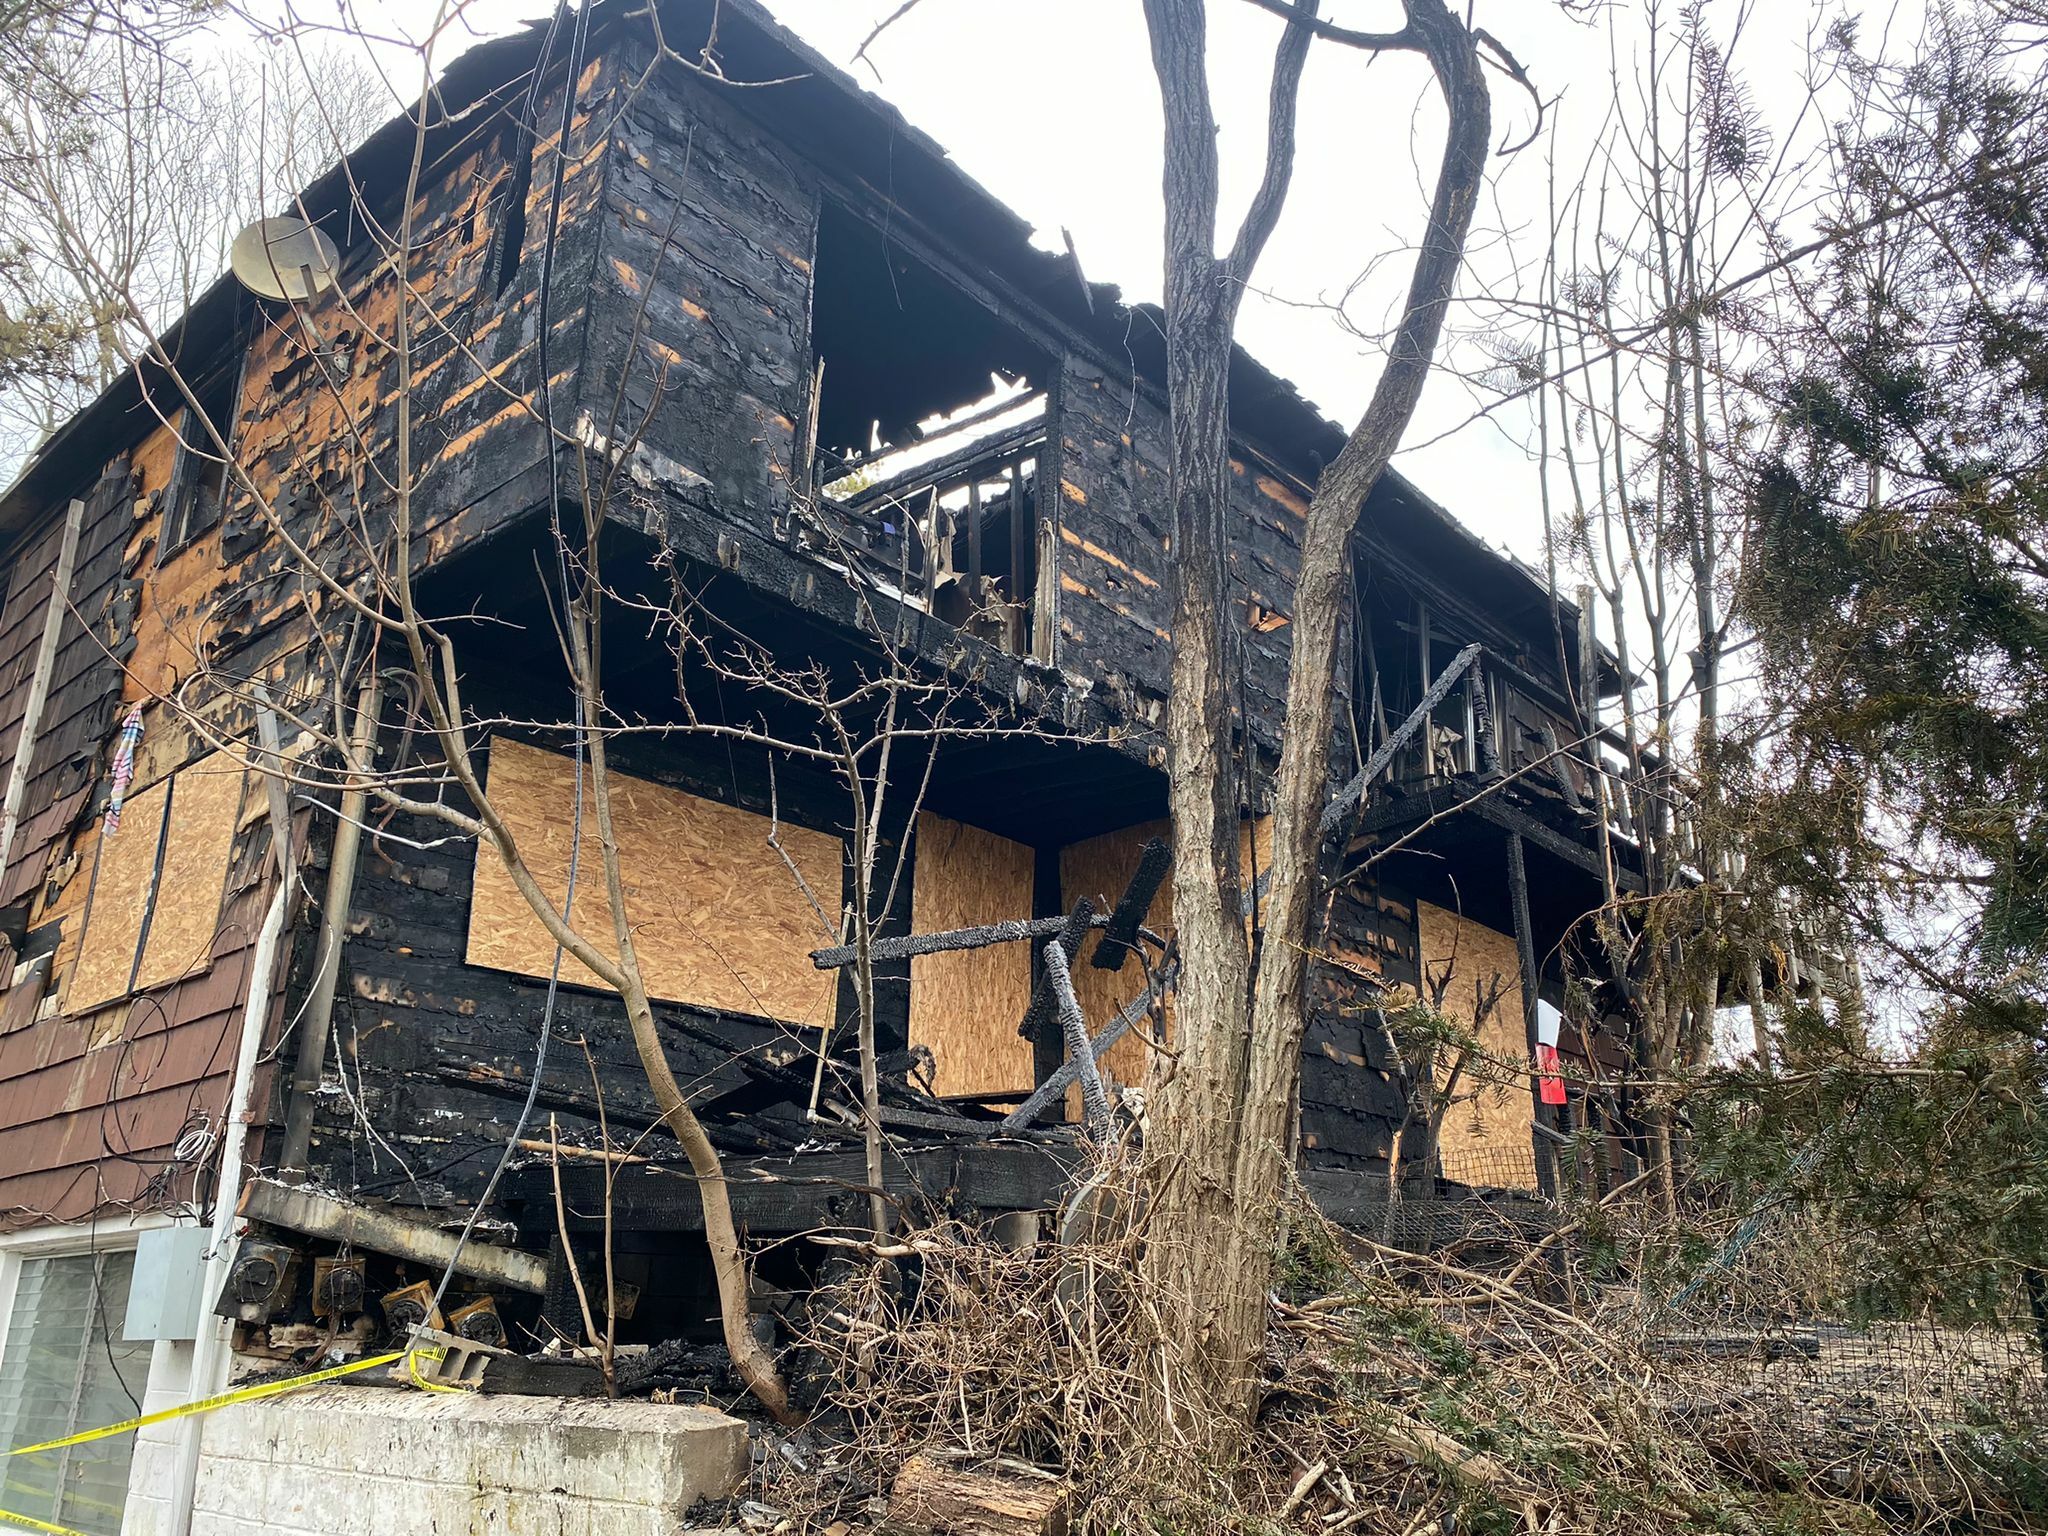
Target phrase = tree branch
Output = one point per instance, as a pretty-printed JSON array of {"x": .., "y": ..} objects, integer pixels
[
  {"x": 1281, "y": 111},
  {"x": 1405, "y": 40}
]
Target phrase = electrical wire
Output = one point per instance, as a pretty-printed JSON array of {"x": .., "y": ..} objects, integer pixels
[{"x": 546, "y": 393}]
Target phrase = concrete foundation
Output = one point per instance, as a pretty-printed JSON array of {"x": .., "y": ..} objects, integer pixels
[{"x": 362, "y": 1461}]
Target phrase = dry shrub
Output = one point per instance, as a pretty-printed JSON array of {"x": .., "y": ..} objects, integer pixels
[
  {"x": 1400, "y": 1390},
  {"x": 945, "y": 1342}
]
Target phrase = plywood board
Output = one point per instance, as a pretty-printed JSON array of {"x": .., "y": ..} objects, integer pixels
[
  {"x": 718, "y": 921},
  {"x": 1485, "y": 1136},
  {"x": 206, "y": 799},
  {"x": 966, "y": 1005},
  {"x": 124, "y": 872},
  {"x": 1099, "y": 869}
]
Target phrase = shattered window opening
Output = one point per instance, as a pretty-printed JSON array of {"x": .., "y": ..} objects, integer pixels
[
  {"x": 199, "y": 477},
  {"x": 507, "y": 213},
  {"x": 931, "y": 420}
]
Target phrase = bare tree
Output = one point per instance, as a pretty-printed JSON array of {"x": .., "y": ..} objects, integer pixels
[
  {"x": 156, "y": 151},
  {"x": 366, "y": 621},
  {"x": 1642, "y": 347}
]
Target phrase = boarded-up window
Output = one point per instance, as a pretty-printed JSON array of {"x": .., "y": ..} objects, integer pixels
[
  {"x": 156, "y": 885},
  {"x": 1485, "y": 1136},
  {"x": 206, "y": 801},
  {"x": 718, "y": 919},
  {"x": 966, "y": 1006},
  {"x": 1099, "y": 869}
]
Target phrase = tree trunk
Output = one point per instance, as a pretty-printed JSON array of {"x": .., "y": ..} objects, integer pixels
[
  {"x": 1199, "y": 1091},
  {"x": 1221, "y": 1126}
]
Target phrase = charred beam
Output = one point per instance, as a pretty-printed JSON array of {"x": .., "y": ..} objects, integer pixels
[
  {"x": 1352, "y": 793},
  {"x": 1044, "y": 1005},
  {"x": 1485, "y": 736},
  {"x": 1007, "y": 932},
  {"x": 1155, "y": 862},
  {"x": 396, "y": 1233},
  {"x": 1094, "y": 1102},
  {"x": 810, "y": 1192},
  {"x": 1511, "y": 818},
  {"x": 1055, "y": 1085}
]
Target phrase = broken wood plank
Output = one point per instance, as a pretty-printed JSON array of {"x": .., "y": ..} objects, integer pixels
[
  {"x": 959, "y": 1126},
  {"x": 936, "y": 1497},
  {"x": 1353, "y": 792},
  {"x": 273, "y": 769}
]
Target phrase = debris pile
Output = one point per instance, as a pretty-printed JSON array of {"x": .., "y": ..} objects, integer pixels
[{"x": 1402, "y": 1392}]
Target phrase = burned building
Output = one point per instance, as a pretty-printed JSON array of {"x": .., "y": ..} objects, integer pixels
[{"x": 822, "y": 376}]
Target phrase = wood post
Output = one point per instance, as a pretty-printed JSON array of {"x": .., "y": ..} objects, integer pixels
[
  {"x": 1525, "y": 954},
  {"x": 974, "y": 544},
  {"x": 54, "y": 609},
  {"x": 311, "y": 1064},
  {"x": 1485, "y": 739}
]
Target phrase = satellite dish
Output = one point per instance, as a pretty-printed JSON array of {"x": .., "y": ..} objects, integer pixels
[{"x": 284, "y": 259}]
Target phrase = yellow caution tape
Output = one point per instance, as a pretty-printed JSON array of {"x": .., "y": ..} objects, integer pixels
[
  {"x": 207, "y": 1405},
  {"x": 33, "y": 1524},
  {"x": 413, "y": 1370},
  {"x": 224, "y": 1399}
]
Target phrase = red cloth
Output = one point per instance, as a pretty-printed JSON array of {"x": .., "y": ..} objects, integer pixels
[{"x": 1549, "y": 1085}]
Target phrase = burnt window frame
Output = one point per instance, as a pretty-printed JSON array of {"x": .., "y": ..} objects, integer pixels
[
  {"x": 1027, "y": 346},
  {"x": 184, "y": 516}
]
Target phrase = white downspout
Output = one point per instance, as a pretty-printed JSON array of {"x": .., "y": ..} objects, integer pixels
[{"x": 210, "y": 1340}]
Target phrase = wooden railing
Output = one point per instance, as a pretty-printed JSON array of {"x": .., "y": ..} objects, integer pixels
[
  {"x": 1482, "y": 718},
  {"x": 956, "y": 534}
]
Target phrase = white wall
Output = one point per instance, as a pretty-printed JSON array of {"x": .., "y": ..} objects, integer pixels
[
  {"x": 346, "y": 1460},
  {"x": 152, "y": 1469}
]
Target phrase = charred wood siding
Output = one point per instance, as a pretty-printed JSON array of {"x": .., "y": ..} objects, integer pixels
[
  {"x": 1353, "y": 1087},
  {"x": 1113, "y": 522},
  {"x": 1115, "y": 525},
  {"x": 85, "y": 684},
  {"x": 91, "y": 1106},
  {"x": 437, "y": 1054},
  {"x": 700, "y": 333},
  {"x": 315, "y": 422}
]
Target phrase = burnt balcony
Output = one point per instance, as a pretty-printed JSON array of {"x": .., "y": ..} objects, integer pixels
[{"x": 949, "y": 524}]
